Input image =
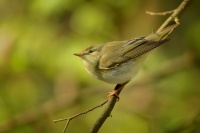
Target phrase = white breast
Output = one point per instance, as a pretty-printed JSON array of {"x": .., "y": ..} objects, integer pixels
[{"x": 124, "y": 72}]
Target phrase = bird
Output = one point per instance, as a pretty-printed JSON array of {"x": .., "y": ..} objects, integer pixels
[{"x": 118, "y": 62}]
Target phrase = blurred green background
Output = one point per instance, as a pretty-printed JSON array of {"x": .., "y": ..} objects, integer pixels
[{"x": 41, "y": 80}]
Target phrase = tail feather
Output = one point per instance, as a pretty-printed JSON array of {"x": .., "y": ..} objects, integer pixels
[
  {"x": 166, "y": 31},
  {"x": 163, "y": 34}
]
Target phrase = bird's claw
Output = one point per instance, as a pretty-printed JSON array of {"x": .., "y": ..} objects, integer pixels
[{"x": 113, "y": 93}]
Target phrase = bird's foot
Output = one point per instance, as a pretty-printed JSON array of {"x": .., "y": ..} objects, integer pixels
[
  {"x": 116, "y": 91},
  {"x": 113, "y": 93}
]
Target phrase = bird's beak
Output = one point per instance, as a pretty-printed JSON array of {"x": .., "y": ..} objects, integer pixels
[{"x": 78, "y": 54}]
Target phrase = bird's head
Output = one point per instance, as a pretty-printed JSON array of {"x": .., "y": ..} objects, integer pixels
[{"x": 90, "y": 55}]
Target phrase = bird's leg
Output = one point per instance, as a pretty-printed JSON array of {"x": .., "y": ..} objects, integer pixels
[{"x": 116, "y": 91}]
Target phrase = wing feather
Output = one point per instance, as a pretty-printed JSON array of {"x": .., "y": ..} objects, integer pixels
[{"x": 125, "y": 50}]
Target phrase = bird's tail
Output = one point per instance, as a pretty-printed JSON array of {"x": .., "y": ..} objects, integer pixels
[
  {"x": 163, "y": 34},
  {"x": 166, "y": 31}
]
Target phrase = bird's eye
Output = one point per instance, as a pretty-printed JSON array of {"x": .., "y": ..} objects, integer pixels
[{"x": 90, "y": 51}]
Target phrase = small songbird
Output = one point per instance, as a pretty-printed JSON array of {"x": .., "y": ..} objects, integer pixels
[{"x": 118, "y": 62}]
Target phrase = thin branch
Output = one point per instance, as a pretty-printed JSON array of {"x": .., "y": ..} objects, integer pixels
[
  {"x": 106, "y": 113},
  {"x": 76, "y": 115},
  {"x": 177, "y": 12},
  {"x": 160, "y": 13}
]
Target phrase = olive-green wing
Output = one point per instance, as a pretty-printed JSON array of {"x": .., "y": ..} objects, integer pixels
[
  {"x": 143, "y": 48},
  {"x": 115, "y": 53},
  {"x": 112, "y": 52}
]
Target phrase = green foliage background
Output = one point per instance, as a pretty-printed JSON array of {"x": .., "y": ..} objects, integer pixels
[{"x": 41, "y": 80}]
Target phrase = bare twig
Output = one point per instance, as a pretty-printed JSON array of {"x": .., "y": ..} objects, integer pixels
[
  {"x": 160, "y": 13},
  {"x": 177, "y": 12},
  {"x": 106, "y": 113},
  {"x": 76, "y": 115}
]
